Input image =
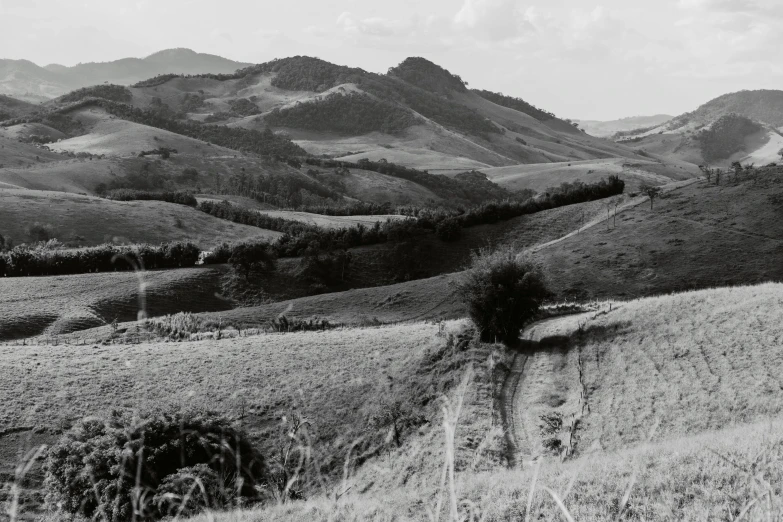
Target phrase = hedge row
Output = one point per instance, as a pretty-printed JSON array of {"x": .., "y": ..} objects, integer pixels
[
  {"x": 300, "y": 238},
  {"x": 181, "y": 198},
  {"x": 25, "y": 261}
]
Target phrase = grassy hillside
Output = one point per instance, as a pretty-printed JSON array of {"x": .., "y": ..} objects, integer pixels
[
  {"x": 702, "y": 477},
  {"x": 86, "y": 221},
  {"x": 336, "y": 380},
  {"x": 539, "y": 177},
  {"x": 699, "y": 236},
  {"x": 61, "y": 304},
  {"x": 684, "y": 452}
]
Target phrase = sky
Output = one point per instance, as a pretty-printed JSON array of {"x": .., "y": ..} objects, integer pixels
[{"x": 577, "y": 58}]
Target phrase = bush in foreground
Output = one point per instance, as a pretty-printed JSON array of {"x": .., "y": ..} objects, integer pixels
[
  {"x": 151, "y": 465},
  {"x": 501, "y": 293}
]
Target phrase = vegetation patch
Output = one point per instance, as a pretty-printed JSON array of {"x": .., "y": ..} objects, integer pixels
[{"x": 351, "y": 113}]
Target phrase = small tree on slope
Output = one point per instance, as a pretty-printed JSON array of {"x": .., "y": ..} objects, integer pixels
[{"x": 501, "y": 293}]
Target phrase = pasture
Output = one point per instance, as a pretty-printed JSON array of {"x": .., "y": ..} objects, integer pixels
[{"x": 87, "y": 221}]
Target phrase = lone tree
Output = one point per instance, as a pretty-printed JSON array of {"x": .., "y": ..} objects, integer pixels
[
  {"x": 501, "y": 293},
  {"x": 651, "y": 192}
]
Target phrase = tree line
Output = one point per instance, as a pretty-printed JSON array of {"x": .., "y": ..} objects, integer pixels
[
  {"x": 124, "y": 194},
  {"x": 36, "y": 261},
  {"x": 300, "y": 237}
]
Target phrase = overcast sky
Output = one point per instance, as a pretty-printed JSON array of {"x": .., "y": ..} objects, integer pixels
[{"x": 578, "y": 58}]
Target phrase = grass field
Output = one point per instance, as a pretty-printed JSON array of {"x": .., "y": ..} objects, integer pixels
[
  {"x": 703, "y": 477},
  {"x": 14, "y": 154},
  {"x": 32, "y": 306},
  {"x": 106, "y": 134},
  {"x": 334, "y": 379},
  {"x": 87, "y": 220},
  {"x": 540, "y": 177},
  {"x": 699, "y": 236},
  {"x": 685, "y": 405}
]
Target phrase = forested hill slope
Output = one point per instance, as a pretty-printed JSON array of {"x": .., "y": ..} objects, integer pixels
[{"x": 417, "y": 114}]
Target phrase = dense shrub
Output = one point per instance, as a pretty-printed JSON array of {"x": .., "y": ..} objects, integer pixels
[
  {"x": 344, "y": 113},
  {"x": 181, "y": 198},
  {"x": 191, "y": 490},
  {"x": 244, "y": 107},
  {"x": 116, "y": 469},
  {"x": 449, "y": 229},
  {"x": 117, "y": 93},
  {"x": 33, "y": 261},
  {"x": 501, "y": 293},
  {"x": 250, "y": 257},
  {"x": 40, "y": 232}
]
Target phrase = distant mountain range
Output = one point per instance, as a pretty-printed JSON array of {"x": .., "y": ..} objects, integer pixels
[{"x": 25, "y": 80}]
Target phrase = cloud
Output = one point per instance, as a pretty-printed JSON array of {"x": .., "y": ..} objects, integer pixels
[
  {"x": 416, "y": 33},
  {"x": 492, "y": 20}
]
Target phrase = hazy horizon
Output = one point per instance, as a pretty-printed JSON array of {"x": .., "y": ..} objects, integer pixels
[{"x": 596, "y": 60}]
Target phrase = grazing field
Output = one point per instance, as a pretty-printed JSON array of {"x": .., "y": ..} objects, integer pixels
[
  {"x": 540, "y": 177},
  {"x": 88, "y": 221},
  {"x": 330, "y": 221},
  {"x": 14, "y": 154},
  {"x": 107, "y": 134},
  {"x": 57, "y": 305},
  {"x": 698, "y": 236}
]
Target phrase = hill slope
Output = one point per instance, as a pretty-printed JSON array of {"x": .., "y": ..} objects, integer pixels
[
  {"x": 741, "y": 126},
  {"x": 88, "y": 221}
]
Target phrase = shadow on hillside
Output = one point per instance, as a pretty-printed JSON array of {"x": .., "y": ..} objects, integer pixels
[{"x": 592, "y": 333}]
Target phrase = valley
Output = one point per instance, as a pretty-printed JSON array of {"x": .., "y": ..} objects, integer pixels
[{"x": 291, "y": 245}]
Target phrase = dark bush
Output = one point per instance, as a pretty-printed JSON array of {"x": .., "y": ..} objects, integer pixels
[
  {"x": 449, "y": 229},
  {"x": 40, "y": 232},
  {"x": 501, "y": 293},
  {"x": 250, "y": 257},
  {"x": 191, "y": 490},
  {"x": 112, "y": 469}
]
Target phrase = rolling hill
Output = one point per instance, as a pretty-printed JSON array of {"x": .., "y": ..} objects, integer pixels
[
  {"x": 418, "y": 114},
  {"x": 79, "y": 220},
  {"x": 743, "y": 126}
]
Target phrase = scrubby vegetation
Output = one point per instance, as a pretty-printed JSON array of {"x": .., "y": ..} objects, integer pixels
[
  {"x": 117, "y": 93},
  {"x": 344, "y": 113},
  {"x": 146, "y": 466},
  {"x": 726, "y": 136},
  {"x": 501, "y": 293},
  {"x": 518, "y": 104},
  {"x": 246, "y": 140},
  {"x": 464, "y": 189},
  {"x": 301, "y": 238},
  {"x": 39, "y": 259},
  {"x": 181, "y": 198}
]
